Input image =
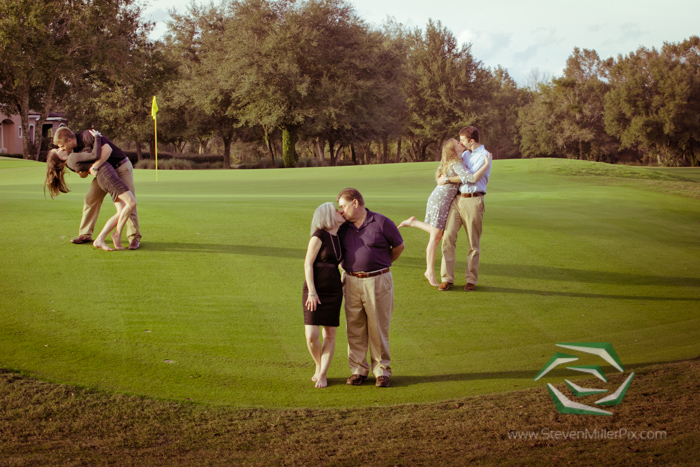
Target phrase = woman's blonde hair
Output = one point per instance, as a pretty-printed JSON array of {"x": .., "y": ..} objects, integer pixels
[
  {"x": 324, "y": 217},
  {"x": 449, "y": 157}
]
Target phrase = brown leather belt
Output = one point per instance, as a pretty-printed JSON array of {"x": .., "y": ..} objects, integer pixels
[
  {"x": 362, "y": 274},
  {"x": 471, "y": 195}
]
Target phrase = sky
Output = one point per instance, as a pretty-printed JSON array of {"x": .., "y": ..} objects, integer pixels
[{"x": 529, "y": 39}]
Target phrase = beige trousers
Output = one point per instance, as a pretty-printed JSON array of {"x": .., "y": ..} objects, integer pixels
[
  {"x": 93, "y": 202},
  {"x": 467, "y": 212},
  {"x": 369, "y": 304}
]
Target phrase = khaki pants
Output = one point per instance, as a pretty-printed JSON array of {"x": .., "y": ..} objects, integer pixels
[
  {"x": 467, "y": 212},
  {"x": 369, "y": 304},
  {"x": 93, "y": 202}
]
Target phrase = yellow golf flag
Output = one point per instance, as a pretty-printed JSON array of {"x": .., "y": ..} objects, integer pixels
[{"x": 154, "y": 108}]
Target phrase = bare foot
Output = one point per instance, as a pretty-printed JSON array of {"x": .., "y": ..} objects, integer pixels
[
  {"x": 431, "y": 278},
  {"x": 321, "y": 383},
  {"x": 117, "y": 242},
  {"x": 408, "y": 222},
  {"x": 101, "y": 245},
  {"x": 315, "y": 377}
]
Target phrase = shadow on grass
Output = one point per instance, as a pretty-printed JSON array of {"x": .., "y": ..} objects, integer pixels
[
  {"x": 247, "y": 250},
  {"x": 559, "y": 374},
  {"x": 548, "y": 273},
  {"x": 580, "y": 275},
  {"x": 547, "y": 293},
  {"x": 522, "y": 271}
]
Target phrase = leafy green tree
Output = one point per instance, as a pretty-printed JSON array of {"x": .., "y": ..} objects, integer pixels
[
  {"x": 363, "y": 102},
  {"x": 180, "y": 124},
  {"x": 653, "y": 104},
  {"x": 261, "y": 69},
  {"x": 535, "y": 124},
  {"x": 500, "y": 133},
  {"x": 119, "y": 105},
  {"x": 312, "y": 69},
  {"x": 445, "y": 88},
  {"x": 48, "y": 46},
  {"x": 195, "y": 38},
  {"x": 566, "y": 116}
]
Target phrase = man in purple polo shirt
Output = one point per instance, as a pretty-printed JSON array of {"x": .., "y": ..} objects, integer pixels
[{"x": 370, "y": 243}]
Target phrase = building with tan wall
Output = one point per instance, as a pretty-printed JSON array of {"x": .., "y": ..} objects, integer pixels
[{"x": 11, "y": 130}]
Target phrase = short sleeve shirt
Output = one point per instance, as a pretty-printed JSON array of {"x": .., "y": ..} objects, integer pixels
[
  {"x": 85, "y": 142},
  {"x": 369, "y": 248}
]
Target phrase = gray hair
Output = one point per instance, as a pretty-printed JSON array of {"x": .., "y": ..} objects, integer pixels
[{"x": 324, "y": 217}]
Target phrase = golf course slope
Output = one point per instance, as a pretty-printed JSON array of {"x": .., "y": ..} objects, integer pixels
[{"x": 209, "y": 309}]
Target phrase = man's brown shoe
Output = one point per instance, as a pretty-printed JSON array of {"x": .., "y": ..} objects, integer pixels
[
  {"x": 470, "y": 287},
  {"x": 382, "y": 382},
  {"x": 134, "y": 244},
  {"x": 82, "y": 239},
  {"x": 356, "y": 380},
  {"x": 445, "y": 286}
]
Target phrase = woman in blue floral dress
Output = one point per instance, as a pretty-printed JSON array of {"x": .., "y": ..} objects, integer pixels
[{"x": 440, "y": 201}]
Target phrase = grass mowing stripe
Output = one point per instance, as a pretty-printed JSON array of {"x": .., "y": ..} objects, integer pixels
[{"x": 209, "y": 308}]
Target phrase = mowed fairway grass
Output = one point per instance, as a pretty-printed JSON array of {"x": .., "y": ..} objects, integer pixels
[{"x": 209, "y": 309}]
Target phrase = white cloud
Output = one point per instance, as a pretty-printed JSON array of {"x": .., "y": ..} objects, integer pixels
[
  {"x": 158, "y": 14},
  {"x": 485, "y": 42},
  {"x": 522, "y": 36}
]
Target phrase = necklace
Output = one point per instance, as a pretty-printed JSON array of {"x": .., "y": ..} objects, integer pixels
[{"x": 335, "y": 252}]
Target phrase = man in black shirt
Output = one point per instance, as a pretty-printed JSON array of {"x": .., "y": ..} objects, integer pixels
[{"x": 83, "y": 141}]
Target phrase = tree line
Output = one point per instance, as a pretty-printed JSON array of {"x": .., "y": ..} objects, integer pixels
[
  {"x": 640, "y": 107},
  {"x": 281, "y": 75}
]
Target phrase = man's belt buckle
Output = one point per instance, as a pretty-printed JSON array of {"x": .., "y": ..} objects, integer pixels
[{"x": 362, "y": 275}]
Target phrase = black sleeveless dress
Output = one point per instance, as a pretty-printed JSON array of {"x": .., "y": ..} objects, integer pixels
[{"x": 327, "y": 282}]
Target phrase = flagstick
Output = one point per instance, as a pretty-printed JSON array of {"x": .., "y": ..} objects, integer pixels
[
  {"x": 155, "y": 128},
  {"x": 154, "y": 111}
]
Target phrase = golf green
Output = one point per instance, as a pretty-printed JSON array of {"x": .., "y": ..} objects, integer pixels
[{"x": 209, "y": 309}]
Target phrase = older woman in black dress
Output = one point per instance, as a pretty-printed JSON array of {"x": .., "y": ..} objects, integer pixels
[{"x": 323, "y": 290}]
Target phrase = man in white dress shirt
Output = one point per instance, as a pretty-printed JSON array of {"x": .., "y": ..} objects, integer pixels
[{"x": 466, "y": 210}]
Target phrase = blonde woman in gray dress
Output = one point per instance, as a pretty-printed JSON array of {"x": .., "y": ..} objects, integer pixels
[{"x": 439, "y": 202}]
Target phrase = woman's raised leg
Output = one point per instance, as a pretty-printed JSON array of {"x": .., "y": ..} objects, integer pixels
[
  {"x": 431, "y": 250},
  {"x": 408, "y": 222},
  {"x": 413, "y": 222}
]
